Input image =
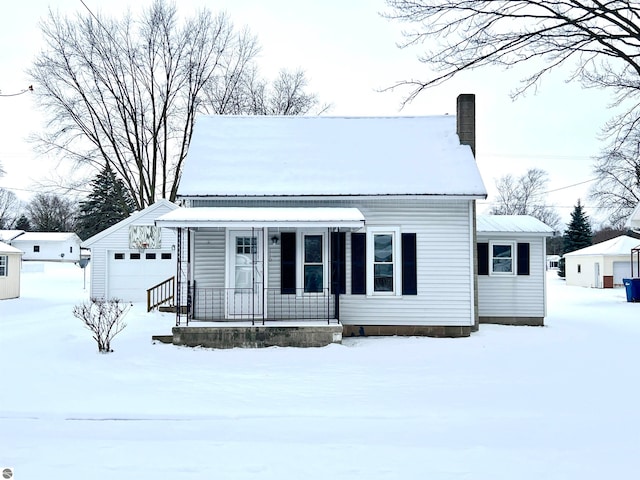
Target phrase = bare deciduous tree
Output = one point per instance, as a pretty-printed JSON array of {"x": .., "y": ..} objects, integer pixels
[
  {"x": 51, "y": 213},
  {"x": 9, "y": 209},
  {"x": 617, "y": 189},
  {"x": 600, "y": 40},
  {"x": 125, "y": 92},
  {"x": 525, "y": 195}
]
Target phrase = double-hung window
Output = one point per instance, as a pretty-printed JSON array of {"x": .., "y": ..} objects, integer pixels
[
  {"x": 313, "y": 264},
  {"x": 4, "y": 265},
  {"x": 503, "y": 259},
  {"x": 383, "y": 256}
]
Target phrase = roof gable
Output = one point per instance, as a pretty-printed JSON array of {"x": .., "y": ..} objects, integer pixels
[
  {"x": 152, "y": 211},
  {"x": 288, "y": 155}
]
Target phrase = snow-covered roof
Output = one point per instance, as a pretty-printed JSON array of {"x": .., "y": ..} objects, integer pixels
[
  {"x": 511, "y": 224},
  {"x": 262, "y": 216},
  {"x": 130, "y": 219},
  {"x": 4, "y": 248},
  {"x": 292, "y": 155},
  {"x": 621, "y": 245},
  {"x": 8, "y": 235},
  {"x": 45, "y": 237}
]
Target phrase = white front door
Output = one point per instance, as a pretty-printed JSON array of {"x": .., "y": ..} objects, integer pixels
[
  {"x": 246, "y": 279},
  {"x": 596, "y": 270}
]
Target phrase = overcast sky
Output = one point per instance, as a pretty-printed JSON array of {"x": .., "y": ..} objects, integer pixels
[{"x": 349, "y": 53}]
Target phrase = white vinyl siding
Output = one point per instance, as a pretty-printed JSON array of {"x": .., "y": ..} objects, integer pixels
[
  {"x": 510, "y": 295},
  {"x": 10, "y": 282},
  {"x": 618, "y": 266},
  {"x": 444, "y": 247},
  {"x": 208, "y": 258}
]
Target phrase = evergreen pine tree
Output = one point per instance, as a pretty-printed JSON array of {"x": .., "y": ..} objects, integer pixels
[
  {"x": 577, "y": 235},
  {"x": 23, "y": 223},
  {"x": 108, "y": 203}
]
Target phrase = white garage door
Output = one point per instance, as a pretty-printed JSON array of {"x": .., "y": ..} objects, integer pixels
[
  {"x": 621, "y": 270},
  {"x": 131, "y": 273}
]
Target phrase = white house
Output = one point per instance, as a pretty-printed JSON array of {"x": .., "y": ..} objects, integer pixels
[
  {"x": 602, "y": 265},
  {"x": 10, "y": 258},
  {"x": 511, "y": 269},
  {"x": 368, "y": 221},
  {"x": 132, "y": 256},
  {"x": 48, "y": 246},
  {"x": 553, "y": 262}
]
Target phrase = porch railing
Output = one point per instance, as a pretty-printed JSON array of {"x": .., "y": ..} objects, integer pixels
[
  {"x": 216, "y": 304},
  {"x": 161, "y": 294}
]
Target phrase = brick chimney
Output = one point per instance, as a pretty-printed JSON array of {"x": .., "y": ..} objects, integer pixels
[{"x": 466, "y": 120}]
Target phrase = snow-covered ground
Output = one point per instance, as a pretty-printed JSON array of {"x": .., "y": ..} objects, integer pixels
[{"x": 557, "y": 402}]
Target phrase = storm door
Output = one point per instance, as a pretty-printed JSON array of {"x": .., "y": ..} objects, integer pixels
[{"x": 246, "y": 279}]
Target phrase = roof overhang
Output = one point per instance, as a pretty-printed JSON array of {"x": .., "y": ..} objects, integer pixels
[{"x": 260, "y": 217}]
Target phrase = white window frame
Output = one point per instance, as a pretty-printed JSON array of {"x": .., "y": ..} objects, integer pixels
[
  {"x": 397, "y": 260},
  {"x": 4, "y": 265},
  {"x": 300, "y": 234},
  {"x": 514, "y": 259}
]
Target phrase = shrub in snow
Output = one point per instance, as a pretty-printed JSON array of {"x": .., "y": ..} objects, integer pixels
[{"x": 104, "y": 318}]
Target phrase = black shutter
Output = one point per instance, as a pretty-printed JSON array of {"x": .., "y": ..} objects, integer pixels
[
  {"x": 483, "y": 258},
  {"x": 523, "y": 259},
  {"x": 358, "y": 263},
  {"x": 409, "y": 268},
  {"x": 287, "y": 263},
  {"x": 338, "y": 262}
]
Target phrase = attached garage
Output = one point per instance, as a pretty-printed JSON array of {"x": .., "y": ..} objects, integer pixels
[
  {"x": 602, "y": 265},
  {"x": 133, "y": 255}
]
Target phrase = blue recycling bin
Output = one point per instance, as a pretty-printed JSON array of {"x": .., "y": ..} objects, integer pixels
[{"x": 632, "y": 286}]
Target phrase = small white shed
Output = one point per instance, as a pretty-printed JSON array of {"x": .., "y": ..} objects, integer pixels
[
  {"x": 133, "y": 255},
  {"x": 511, "y": 269},
  {"x": 602, "y": 265},
  {"x": 10, "y": 258},
  {"x": 49, "y": 246}
]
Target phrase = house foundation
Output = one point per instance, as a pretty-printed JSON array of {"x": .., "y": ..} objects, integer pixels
[
  {"x": 257, "y": 336},
  {"x": 406, "y": 331}
]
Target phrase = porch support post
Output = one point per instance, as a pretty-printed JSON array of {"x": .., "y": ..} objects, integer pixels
[{"x": 336, "y": 284}]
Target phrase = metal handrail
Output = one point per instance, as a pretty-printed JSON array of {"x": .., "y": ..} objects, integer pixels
[
  {"x": 221, "y": 303},
  {"x": 161, "y": 293}
]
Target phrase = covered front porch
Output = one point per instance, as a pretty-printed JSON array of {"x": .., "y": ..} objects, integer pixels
[{"x": 260, "y": 266}]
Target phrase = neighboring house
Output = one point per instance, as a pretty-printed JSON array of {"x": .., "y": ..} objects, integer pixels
[
  {"x": 10, "y": 258},
  {"x": 132, "y": 256},
  {"x": 602, "y": 265},
  {"x": 49, "y": 246},
  {"x": 511, "y": 269},
  {"x": 553, "y": 262},
  {"x": 365, "y": 220}
]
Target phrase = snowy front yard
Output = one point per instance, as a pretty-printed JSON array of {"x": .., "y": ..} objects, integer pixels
[{"x": 554, "y": 402}]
